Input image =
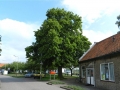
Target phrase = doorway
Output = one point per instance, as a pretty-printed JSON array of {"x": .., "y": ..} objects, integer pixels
[{"x": 90, "y": 76}]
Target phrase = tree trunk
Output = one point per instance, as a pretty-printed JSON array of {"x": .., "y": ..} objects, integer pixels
[
  {"x": 60, "y": 76},
  {"x": 71, "y": 71}
]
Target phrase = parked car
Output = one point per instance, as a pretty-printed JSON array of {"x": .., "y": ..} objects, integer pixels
[
  {"x": 38, "y": 75},
  {"x": 28, "y": 75},
  {"x": 68, "y": 73}
]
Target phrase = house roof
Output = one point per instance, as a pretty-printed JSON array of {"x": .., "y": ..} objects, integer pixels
[
  {"x": 1, "y": 64},
  {"x": 104, "y": 47}
]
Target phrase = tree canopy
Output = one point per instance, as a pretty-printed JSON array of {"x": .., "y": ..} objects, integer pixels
[
  {"x": 59, "y": 41},
  {"x": 14, "y": 66},
  {"x": 118, "y": 22}
]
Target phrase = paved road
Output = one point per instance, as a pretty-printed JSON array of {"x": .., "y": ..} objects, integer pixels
[{"x": 10, "y": 83}]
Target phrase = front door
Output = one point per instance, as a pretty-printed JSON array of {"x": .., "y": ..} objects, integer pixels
[{"x": 90, "y": 76}]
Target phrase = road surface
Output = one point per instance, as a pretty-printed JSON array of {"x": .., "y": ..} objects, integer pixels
[{"x": 10, "y": 83}]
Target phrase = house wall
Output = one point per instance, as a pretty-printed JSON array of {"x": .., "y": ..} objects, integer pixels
[
  {"x": 107, "y": 85},
  {"x": 83, "y": 80}
]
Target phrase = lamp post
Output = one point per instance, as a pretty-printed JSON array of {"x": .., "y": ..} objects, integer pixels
[
  {"x": 41, "y": 70},
  {"x": 0, "y": 45},
  {"x": 17, "y": 64}
]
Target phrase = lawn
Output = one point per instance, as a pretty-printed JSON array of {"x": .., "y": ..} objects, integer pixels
[{"x": 16, "y": 75}]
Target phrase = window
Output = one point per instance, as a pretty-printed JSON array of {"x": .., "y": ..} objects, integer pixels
[
  {"x": 83, "y": 72},
  {"x": 107, "y": 71}
]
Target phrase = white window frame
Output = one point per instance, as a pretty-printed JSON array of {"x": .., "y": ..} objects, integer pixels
[
  {"x": 108, "y": 71},
  {"x": 82, "y": 72}
]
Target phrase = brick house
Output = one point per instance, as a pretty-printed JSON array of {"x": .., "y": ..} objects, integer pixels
[{"x": 100, "y": 65}]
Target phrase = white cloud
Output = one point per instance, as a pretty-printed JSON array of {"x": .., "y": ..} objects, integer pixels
[
  {"x": 17, "y": 28},
  {"x": 16, "y": 36},
  {"x": 96, "y": 36},
  {"x": 91, "y": 10}
]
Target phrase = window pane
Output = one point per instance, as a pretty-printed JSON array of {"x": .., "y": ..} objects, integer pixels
[
  {"x": 111, "y": 69},
  {"x": 83, "y": 72},
  {"x": 106, "y": 72},
  {"x": 91, "y": 73},
  {"x": 102, "y": 71}
]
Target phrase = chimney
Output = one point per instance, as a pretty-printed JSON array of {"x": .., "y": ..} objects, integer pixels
[
  {"x": 113, "y": 38},
  {"x": 95, "y": 42}
]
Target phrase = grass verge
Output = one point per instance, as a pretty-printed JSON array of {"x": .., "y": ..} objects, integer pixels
[
  {"x": 71, "y": 87},
  {"x": 55, "y": 82},
  {"x": 16, "y": 75}
]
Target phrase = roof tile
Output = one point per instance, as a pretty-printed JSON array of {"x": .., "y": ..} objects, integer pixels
[{"x": 106, "y": 46}]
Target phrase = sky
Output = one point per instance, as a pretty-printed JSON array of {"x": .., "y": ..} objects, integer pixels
[{"x": 20, "y": 18}]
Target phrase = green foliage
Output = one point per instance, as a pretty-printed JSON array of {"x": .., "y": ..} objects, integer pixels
[
  {"x": 118, "y": 22},
  {"x": 31, "y": 65},
  {"x": 16, "y": 76},
  {"x": 59, "y": 41},
  {"x": 32, "y": 52},
  {"x": 13, "y": 66}
]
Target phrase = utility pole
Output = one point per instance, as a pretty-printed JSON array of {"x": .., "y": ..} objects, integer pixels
[{"x": 17, "y": 64}]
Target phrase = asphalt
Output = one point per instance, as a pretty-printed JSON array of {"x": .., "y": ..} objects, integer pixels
[
  {"x": 70, "y": 81},
  {"x": 0, "y": 84}
]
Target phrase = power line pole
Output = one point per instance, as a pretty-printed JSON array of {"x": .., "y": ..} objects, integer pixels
[{"x": 17, "y": 64}]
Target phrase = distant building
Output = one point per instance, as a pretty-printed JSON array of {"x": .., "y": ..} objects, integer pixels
[{"x": 1, "y": 65}]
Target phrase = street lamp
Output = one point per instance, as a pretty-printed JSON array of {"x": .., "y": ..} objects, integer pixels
[{"x": 17, "y": 64}]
